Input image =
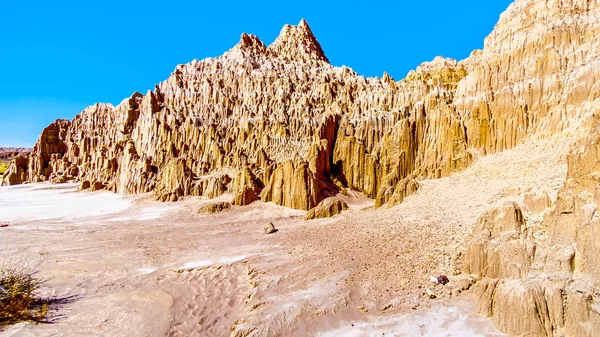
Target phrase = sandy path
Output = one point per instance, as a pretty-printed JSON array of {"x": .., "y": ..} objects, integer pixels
[{"x": 135, "y": 267}]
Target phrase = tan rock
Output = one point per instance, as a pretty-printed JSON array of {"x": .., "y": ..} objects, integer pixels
[
  {"x": 292, "y": 184},
  {"x": 58, "y": 179},
  {"x": 16, "y": 173},
  {"x": 212, "y": 186},
  {"x": 305, "y": 128},
  {"x": 394, "y": 195},
  {"x": 245, "y": 189},
  {"x": 326, "y": 209},
  {"x": 498, "y": 248},
  {"x": 270, "y": 228},
  {"x": 215, "y": 207},
  {"x": 538, "y": 202},
  {"x": 86, "y": 184},
  {"x": 173, "y": 181},
  {"x": 553, "y": 287},
  {"x": 519, "y": 308},
  {"x": 97, "y": 186}
]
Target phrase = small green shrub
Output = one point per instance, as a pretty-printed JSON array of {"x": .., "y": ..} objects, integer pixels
[{"x": 18, "y": 299}]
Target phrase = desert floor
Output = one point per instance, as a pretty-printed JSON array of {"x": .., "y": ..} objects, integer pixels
[{"x": 131, "y": 266}]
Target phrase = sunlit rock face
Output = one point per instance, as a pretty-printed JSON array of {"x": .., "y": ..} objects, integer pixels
[
  {"x": 538, "y": 75},
  {"x": 542, "y": 280},
  {"x": 279, "y": 123}
]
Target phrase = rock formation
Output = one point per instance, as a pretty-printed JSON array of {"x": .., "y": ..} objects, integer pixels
[
  {"x": 326, "y": 209},
  {"x": 17, "y": 172},
  {"x": 279, "y": 123},
  {"x": 215, "y": 207},
  {"x": 270, "y": 228},
  {"x": 13, "y": 162},
  {"x": 541, "y": 280},
  {"x": 8, "y": 153},
  {"x": 499, "y": 248}
]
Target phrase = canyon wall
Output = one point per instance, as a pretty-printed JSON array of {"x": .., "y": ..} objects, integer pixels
[
  {"x": 540, "y": 278},
  {"x": 275, "y": 123},
  {"x": 279, "y": 123}
]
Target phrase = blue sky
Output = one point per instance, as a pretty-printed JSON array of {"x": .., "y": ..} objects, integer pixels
[{"x": 57, "y": 57}]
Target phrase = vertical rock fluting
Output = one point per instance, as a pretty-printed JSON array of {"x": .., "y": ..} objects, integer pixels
[
  {"x": 543, "y": 281},
  {"x": 304, "y": 128},
  {"x": 17, "y": 172}
]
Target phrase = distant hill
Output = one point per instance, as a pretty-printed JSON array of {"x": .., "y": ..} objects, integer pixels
[{"x": 8, "y": 153}]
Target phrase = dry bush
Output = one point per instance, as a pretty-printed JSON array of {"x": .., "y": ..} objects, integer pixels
[
  {"x": 3, "y": 168},
  {"x": 18, "y": 299}
]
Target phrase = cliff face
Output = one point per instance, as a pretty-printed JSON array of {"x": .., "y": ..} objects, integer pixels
[
  {"x": 538, "y": 73},
  {"x": 539, "y": 277},
  {"x": 279, "y": 123}
]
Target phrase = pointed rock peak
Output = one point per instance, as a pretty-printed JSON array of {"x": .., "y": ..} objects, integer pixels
[
  {"x": 298, "y": 43},
  {"x": 303, "y": 24},
  {"x": 387, "y": 78},
  {"x": 249, "y": 41},
  {"x": 249, "y": 45}
]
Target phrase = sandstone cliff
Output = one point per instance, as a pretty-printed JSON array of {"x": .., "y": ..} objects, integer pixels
[
  {"x": 539, "y": 278},
  {"x": 279, "y": 123}
]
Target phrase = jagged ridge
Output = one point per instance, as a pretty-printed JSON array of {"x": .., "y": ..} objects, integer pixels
[{"x": 279, "y": 123}]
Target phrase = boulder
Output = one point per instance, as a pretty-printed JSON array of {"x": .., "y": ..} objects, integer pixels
[
  {"x": 326, "y": 209},
  {"x": 84, "y": 185},
  {"x": 270, "y": 228},
  {"x": 97, "y": 186},
  {"x": 215, "y": 207}
]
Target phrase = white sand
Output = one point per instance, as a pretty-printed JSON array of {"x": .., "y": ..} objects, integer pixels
[
  {"x": 179, "y": 273},
  {"x": 442, "y": 320},
  {"x": 45, "y": 201}
]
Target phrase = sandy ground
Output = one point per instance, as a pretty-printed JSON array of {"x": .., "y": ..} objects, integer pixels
[{"x": 130, "y": 266}]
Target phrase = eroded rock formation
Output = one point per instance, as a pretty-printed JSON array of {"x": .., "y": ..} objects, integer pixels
[
  {"x": 215, "y": 207},
  {"x": 542, "y": 280},
  {"x": 17, "y": 172},
  {"x": 279, "y": 123},
  {"x": 326, "y": 209}
]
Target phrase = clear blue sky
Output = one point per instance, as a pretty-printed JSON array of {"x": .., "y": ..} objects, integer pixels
[{"x": 57, "y": 57}]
